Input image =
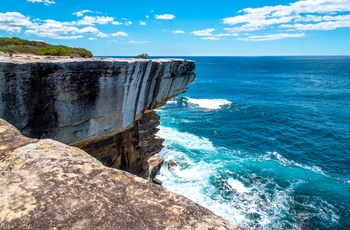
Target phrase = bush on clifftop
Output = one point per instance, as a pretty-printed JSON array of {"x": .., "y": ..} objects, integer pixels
[
  {"x": 142, "y": 56},
  {"x": 16, "y": 45}
]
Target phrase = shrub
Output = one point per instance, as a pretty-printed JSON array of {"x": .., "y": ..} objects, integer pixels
[
  {"x": 142, "y": 56},
  {"x": 17, "y": 45}
]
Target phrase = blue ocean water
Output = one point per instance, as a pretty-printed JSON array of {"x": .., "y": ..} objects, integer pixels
[{"x": 263, "y": 141}]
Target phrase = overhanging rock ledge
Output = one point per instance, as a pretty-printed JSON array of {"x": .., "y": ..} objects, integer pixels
[{"x": 103, "y": 106}]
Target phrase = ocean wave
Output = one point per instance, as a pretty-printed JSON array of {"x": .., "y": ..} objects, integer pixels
[
  {"x": 210, "y": 104},
  {"x": 186, "y": 140},
  {"x": 252, "y": 206},
  {"x": 237, "y": 186},
  {"x": 285, "y": 162},
  {"x": 220, "y": 179}
]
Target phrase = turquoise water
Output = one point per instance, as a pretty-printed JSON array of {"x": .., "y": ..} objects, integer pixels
[{"x": 264, "y": 141}]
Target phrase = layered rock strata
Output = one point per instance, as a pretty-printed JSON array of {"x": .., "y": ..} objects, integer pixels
[
  {"x": 45, "y": 184},
  {"x": 104, "y": 106}
]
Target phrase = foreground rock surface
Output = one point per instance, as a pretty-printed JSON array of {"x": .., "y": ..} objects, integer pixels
[
  {"x": 45, "y": 184},
  {"x": 104, "y": 106}
]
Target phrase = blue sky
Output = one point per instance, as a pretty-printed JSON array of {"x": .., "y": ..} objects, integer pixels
[{"x": 184, "y": 28}]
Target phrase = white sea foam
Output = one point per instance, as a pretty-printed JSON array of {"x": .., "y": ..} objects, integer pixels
[
  {"x": 172, "y": 102},
  {"x": 260, "y": 205},
  {"x": 237, "y": 185},
  {"x": 193, "y": 180},
  {"x": 211, "y": 104},
  {"x": 187, "y": 140}
]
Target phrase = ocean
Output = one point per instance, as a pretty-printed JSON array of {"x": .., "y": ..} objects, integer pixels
[{"x": 263, "y": 141}]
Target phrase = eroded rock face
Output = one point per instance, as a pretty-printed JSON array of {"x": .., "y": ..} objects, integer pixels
[
  {"x": 101, "y": 105},
  {"x": 45, "y": 184}
]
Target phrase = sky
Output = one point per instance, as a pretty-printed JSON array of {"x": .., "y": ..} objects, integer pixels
[{"x": 183, "y": 28}]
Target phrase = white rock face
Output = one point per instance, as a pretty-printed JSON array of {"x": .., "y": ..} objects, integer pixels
[{"x": 78, "y": 100}]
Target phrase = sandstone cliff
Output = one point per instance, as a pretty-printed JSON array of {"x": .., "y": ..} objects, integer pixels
[
  {"x": 104, "y": 106},
  {"x": 45, "y": 184}
]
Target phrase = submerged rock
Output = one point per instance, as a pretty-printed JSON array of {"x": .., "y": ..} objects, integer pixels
[{"x": 45, "y": 184}]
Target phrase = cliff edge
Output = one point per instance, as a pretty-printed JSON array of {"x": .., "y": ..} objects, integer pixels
[
  {"x": 103, "y": 106},
  {"x": 45, "y": 184}
]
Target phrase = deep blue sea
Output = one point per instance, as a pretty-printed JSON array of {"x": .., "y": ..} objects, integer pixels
[{"x": 263, "y": 141}]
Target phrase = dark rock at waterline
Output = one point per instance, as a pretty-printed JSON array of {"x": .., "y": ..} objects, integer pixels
[{"x": 171, "y": 164}]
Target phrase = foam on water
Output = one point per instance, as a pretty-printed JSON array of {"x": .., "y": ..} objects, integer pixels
[
  {"x": 187, "y": 140},
  {"x": 253, "y": 200},
  {"x": 237, "y": 185},
  {"x": 210, "y": 104}
]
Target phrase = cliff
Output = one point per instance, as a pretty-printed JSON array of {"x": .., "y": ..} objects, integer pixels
[
  {"x": 103, "y": 106},
  {"x": 45, "y": 184}
]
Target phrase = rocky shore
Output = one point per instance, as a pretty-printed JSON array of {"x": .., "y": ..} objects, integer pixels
[{"x": 64, "y": 106}]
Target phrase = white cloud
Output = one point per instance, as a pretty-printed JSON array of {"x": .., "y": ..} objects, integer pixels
[
  {"x": 128, "y": 23},
  {"x": 120, "y": 34},
  {"x": 54, "y": 29},
  {"x": 137, "y": 42},
  {"x": 226, "y": 35},
  {"x": 93, "y": 30},
  {"x": 69, "y": 37},
  {"x": 13, "y": 22},
  {"x": 300, "y": 15},
  {"x": 178, "y": 32},
  {"x": 165, "y": 17},
  {"x": 205, "y": 32},
  {"x": 211, "y": 38},
  {"x": 91, "y": 20},
  {"x": 142, "y": 23},
  {"x": 46, "y": 2},
  {"x": 270, "y": 37},
  {"x": 92, "y": 39},
  {"x": 322, "y": 23},
  {"x": 81, "y": 12},
  {"x": 117, "y": 23},
  {"x": 147, "y": 16}
]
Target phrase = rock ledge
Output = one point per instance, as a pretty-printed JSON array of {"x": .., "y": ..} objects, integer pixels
[{"x": 45, "y": 184}]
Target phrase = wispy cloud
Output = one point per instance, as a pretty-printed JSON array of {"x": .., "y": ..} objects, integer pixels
[
  {"x": 120, "y": 34},
  {"x": 46, "y": 2},
  {"x": 142, "y": 23},
  {"x": 211, "y": 38},
  {"x": 270, "y": 37},
  {"x": 178, "y": 32},
  {"x": 128, "y": 23},
  {"x": 117, "y": 23},
  {"x": 205, "y": 32},
  {"x": 91, "y": 20},
  {"x": 81, "y": 12},
  {"x": 165, "y": 16},
  {"x": 92, "y": 39},
  {"x": 301, "y": 15},
  {"x": 93, "y": 30},
  {"x": 137, "y": 42}
]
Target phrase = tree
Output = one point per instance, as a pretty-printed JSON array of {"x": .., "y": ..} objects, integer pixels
[{"x": 142, "y": 56}]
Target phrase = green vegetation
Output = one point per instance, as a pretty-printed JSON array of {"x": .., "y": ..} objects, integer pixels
[
  {"x": 17, "y": 45},
  {"x": 142, "y": 56}
]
